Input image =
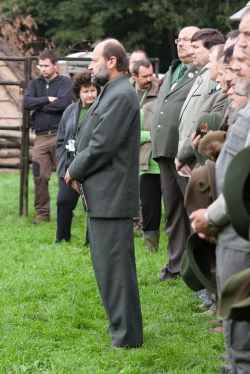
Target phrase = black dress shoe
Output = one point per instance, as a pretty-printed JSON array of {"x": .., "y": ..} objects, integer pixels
[
  {"x": 226, "y": 368},
  {"x": 166, "y": 273},
  {"x": 125, "y": 347}
]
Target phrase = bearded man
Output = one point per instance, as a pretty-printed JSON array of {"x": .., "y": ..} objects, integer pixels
[{"x": 107, "y": 164}]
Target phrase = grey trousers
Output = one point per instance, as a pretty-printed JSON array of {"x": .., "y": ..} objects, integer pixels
[
  {"x": 236, "y": 334},
  {"x": 113, "y": 258},
  {"x": 177, "y": 227}
]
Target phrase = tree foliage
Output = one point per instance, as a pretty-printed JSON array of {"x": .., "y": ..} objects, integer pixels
[{"x": 150, "y": 25}]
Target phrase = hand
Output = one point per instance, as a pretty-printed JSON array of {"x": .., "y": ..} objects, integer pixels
[
  {"x": 67, "y": 178},
  {"x": 71, "y": 182},
  {"x": 52, "y": 98},
  {"x": 199, "y": 225},
  {"x": 194, "y": 139},
  {"x": 208, "y": 238},
  {"x": 185, "y": 169},
  {"x": 178, "y": 164},
  {"x": 75, "y": 186}
]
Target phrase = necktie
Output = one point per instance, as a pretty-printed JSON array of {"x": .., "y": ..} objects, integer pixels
[{"x": 182, "y": 72}]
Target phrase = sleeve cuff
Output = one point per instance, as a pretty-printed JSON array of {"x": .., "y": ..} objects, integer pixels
[{"x": 217, "y": 211}]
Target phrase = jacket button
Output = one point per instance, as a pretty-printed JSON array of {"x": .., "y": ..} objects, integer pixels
[
  {"x": 161, "y": 112},
  {"x": 165, "y": 101},
  {"x": 159, "y": 125}
]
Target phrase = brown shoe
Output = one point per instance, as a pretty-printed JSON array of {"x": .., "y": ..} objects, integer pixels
[
  {"x": 216, "y": 322},
  {"x": 216, "y": 329},
  {"x": 39, "y": 219},
  {"x": 207, "y": 313}
]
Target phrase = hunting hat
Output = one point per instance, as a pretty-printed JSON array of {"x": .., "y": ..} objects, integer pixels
[
  {"x": 208, "y": 122},
  {"x": 234, "y": 302},
  {"x": 198, "y": 264},
  {"x": 200, "y": 191},
  {"x": 236, "y": 190},
  {"x": 209, "y": 146}
]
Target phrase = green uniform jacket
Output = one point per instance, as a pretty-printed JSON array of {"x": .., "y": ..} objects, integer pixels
[
  {"x": 165, "y": 123},
  {"x": 108, "y": 145}
]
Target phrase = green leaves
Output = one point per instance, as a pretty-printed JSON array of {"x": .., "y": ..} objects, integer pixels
[{"x": 138, "y": 25}]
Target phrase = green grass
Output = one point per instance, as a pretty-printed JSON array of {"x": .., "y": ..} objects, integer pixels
[{"x": 52, "y": 319}]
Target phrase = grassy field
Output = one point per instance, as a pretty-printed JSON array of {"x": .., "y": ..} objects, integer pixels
[{"x": 52, "y": 319}]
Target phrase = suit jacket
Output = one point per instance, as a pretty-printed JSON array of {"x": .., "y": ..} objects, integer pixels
[
  {"x": 108, "y": 145},
  {"x": 164, "y": 128},
  {"x": 191, "y": 107},
  {"x": 146, "y": 146},
  {"x": 214, "y": 103},
  {"x": 227, "y": 237}
]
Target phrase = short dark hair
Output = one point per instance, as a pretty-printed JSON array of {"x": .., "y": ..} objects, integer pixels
[
  {"x": 228, "y": 54},
  {"x": 116, "y": 49},
  {"x": 233, "y": 34},
  {"x": 140, "y": 51},
  {"x": 136, "y": 67},
  {"x": 209, "y": 37},
  {"x": 82, "y": 79},
  {"x": 48, "y": 54}
]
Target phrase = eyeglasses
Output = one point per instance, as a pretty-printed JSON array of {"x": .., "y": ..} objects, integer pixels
[{"x": 180, "y": 39}]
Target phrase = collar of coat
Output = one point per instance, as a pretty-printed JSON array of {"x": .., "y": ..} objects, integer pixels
[
  {"x": 153, "y": 91},
  {"x": 215, "y": 89}
]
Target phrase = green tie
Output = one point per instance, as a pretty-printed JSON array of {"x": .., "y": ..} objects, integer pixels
[{"x": 182, "y": 72}]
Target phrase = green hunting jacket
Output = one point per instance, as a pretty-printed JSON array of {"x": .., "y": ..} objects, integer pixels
[{"x": 165, "y": 123}]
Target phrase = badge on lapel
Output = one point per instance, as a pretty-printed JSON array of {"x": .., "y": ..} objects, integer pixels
[{"x": 190, "y": 75}]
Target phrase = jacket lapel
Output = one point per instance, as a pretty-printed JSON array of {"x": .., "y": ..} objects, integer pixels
[{"x": 189, "y": 75}]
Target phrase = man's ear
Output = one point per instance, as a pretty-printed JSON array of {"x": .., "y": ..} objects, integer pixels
[{"x": 112, "y": 62}]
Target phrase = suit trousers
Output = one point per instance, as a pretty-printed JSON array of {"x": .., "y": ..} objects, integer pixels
[
  {"x": 113, "y": 258},
  {"x": 43, "y": 162},
  {"x": 66, "y": 202},
  {"x": 177, "y": 227},
  {"x": 236, "y": 333},
  {"x": 150, "y": 194}
]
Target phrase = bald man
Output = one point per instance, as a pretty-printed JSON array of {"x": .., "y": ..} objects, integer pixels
[{"x": 107, "y": 164}]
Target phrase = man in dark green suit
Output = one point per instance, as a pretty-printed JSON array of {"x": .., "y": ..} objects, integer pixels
[
  {"x": 165, "y": 137},
  {"x": 107, "y": 164}
]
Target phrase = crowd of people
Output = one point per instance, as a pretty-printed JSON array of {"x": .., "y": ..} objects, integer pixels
[{"x": 127, "y": 143}]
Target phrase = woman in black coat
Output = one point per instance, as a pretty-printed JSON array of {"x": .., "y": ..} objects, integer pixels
[{"x": 85, "y": 93}]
